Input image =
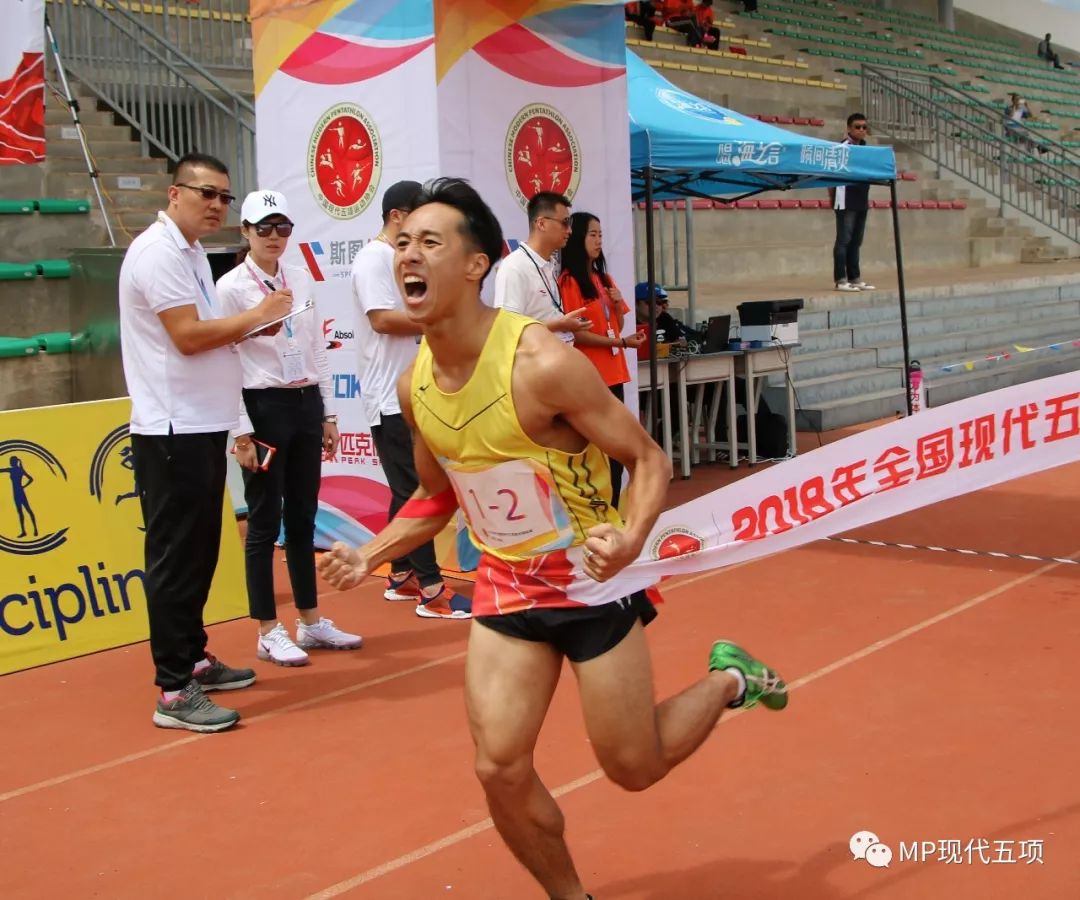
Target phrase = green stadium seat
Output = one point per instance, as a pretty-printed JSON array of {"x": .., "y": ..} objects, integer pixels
[
  {"x": 11, "y": 346},
  {"x": 54, "y": 341},
  {"x": 16, "y": 207},
  {"x": 17, "y": 271},
  {"x": 52, "y": 268},
  {"x": 62, "y": 206}
]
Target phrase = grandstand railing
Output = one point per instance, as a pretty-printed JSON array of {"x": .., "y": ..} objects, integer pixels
[
  {"x": 217, "y": 33},
  {"x": 968, "y": 138},
  {"x": 172, "y": 101}
]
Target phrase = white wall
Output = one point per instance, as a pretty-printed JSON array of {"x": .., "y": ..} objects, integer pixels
[{"x": 1034, "y": 17}]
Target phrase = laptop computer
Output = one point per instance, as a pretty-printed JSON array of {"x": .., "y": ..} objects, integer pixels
[{"x": 717, "y": 334}]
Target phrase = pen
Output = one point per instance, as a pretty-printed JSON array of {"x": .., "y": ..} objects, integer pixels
[{"x": 269, "y": 284}]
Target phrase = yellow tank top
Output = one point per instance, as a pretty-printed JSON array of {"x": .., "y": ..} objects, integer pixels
[{"x": 520, "y": 499}]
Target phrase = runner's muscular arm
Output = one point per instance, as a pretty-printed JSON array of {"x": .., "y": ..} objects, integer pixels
[
  {"x": 344, "y": 566},
  {"x": 570, "y": 388}
]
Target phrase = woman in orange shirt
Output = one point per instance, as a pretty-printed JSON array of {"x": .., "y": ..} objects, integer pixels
[
  {"x": 710, "y": 34},
  {"x": 586, "y": 286}
]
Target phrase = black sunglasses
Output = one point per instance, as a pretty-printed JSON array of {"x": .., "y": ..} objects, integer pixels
[
  {"x": 284, "y": 229},
  {"x": 209, "y": 194}
]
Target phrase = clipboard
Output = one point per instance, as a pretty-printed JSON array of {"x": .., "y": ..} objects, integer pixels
[{"x": 309, "y": 305}]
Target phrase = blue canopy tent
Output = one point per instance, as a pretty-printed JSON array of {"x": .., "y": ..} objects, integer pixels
[{"x": 683, "y": 147}]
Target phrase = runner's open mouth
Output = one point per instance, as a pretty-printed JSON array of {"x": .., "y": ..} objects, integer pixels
[{"x": 415, "y": 286}]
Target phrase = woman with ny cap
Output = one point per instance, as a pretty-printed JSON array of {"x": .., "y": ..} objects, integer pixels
[{"x": 285, "y": 405}]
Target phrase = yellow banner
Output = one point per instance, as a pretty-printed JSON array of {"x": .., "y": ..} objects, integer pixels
[{"x": 71, "y": 537}]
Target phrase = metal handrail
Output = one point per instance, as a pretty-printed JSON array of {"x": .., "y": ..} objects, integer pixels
[
  {"x": 969, "y": 138},
  {"x": 215, "y": 32},
  {"x": 172, "y": 101}
]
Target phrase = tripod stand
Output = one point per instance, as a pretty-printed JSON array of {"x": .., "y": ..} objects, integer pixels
[{"x": 73, "y": 106}]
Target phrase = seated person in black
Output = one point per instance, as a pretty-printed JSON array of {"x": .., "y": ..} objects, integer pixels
[{"x": 669, "y": 330}]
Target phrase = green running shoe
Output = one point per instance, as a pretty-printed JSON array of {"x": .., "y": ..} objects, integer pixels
[{"x": 763, "y": 685}]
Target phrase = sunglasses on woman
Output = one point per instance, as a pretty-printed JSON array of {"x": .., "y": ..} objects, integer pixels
[{"x": 284, "y": 229}]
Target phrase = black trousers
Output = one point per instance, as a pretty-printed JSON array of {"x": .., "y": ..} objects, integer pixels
[
  {"x": 290, "y": 420},
  {"x": 646, "y": 19},
  {"x": 850, "y": 225},
  {"x": 181, "y": 480},
  {"x": 687, "y": 25},
  {"x": 393, "y": 440}
]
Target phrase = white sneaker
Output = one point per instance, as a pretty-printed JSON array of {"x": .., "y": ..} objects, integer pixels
[
  {"x": 327, "y": 635},
  {"x": 863, "y": 286},
  {"x": 278, "y": 648},
  {"x": 846, "y": 286}
]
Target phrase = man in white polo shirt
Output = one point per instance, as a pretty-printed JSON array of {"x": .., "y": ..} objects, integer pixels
[
  {"x": 184, "y": 378},
  {"x": 526, "y": 281},
  {"x": 388, "y": 339}
]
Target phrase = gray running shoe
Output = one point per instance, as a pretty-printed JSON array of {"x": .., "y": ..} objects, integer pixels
[
  {"x": 220, "y": 677},
  {"x": 194, "y": 711}
]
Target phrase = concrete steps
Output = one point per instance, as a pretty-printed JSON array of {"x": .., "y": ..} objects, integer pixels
[{"x": 849, "y": 367}]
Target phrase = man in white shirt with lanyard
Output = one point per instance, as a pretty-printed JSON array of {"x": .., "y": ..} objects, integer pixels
[
  {"x": 184, "y": 378},
  {"x": 388, "y": 341},
  {"x": 526, "y": 281}
]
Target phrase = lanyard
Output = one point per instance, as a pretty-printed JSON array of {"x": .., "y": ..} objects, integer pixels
[
  {"x": 556, "y": 297},
  {"x": 202, "y": 287},
  {"x": 266, "y": 287},
  {"x": 164, "y": 220},
  {"x": 607, "y": 304}
]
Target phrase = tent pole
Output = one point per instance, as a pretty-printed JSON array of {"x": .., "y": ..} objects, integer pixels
[
  {"x": 650, "y": 277},
  {"x": 903, "y": 297},
  {"x": 691, "y": 280}
]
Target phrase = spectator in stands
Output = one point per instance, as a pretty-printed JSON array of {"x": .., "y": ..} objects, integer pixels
[
  {"x": 1047, "y": 52},
  {"x": 850, "y": 204},
  {"x": 682, "y": 17},
  {"x": 286, "y": 404},
  {"x": 526, "y": 281},
  {"x": 710, "y": 34},
  {"x": 587, "y": 288},
  {"x": 387, "y": 339},
  {"x": 646, "y": 14},
  {"x": 1016, "y": 111}
]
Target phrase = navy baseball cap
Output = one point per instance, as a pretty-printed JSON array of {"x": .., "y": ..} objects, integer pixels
[{"x": 641, "y": 292}]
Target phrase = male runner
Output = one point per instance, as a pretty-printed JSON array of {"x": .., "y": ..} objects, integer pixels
[{"x": 515, "y": 426}]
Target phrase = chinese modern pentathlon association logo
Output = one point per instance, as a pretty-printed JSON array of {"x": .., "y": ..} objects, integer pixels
[
  {"x": 542, "y": 154},
  {"x": 676, "y": 541},
  {"x": 344, "y": 160}
]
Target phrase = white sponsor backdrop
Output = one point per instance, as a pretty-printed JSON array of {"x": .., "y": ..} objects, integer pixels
[
  {"x": 421, "y": 130},
  {"x": 478, "y": 104},
  {"x": 389, "y": 119}
]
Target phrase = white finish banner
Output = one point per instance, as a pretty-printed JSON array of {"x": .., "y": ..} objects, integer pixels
[{"x": 907, "y": 464}]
